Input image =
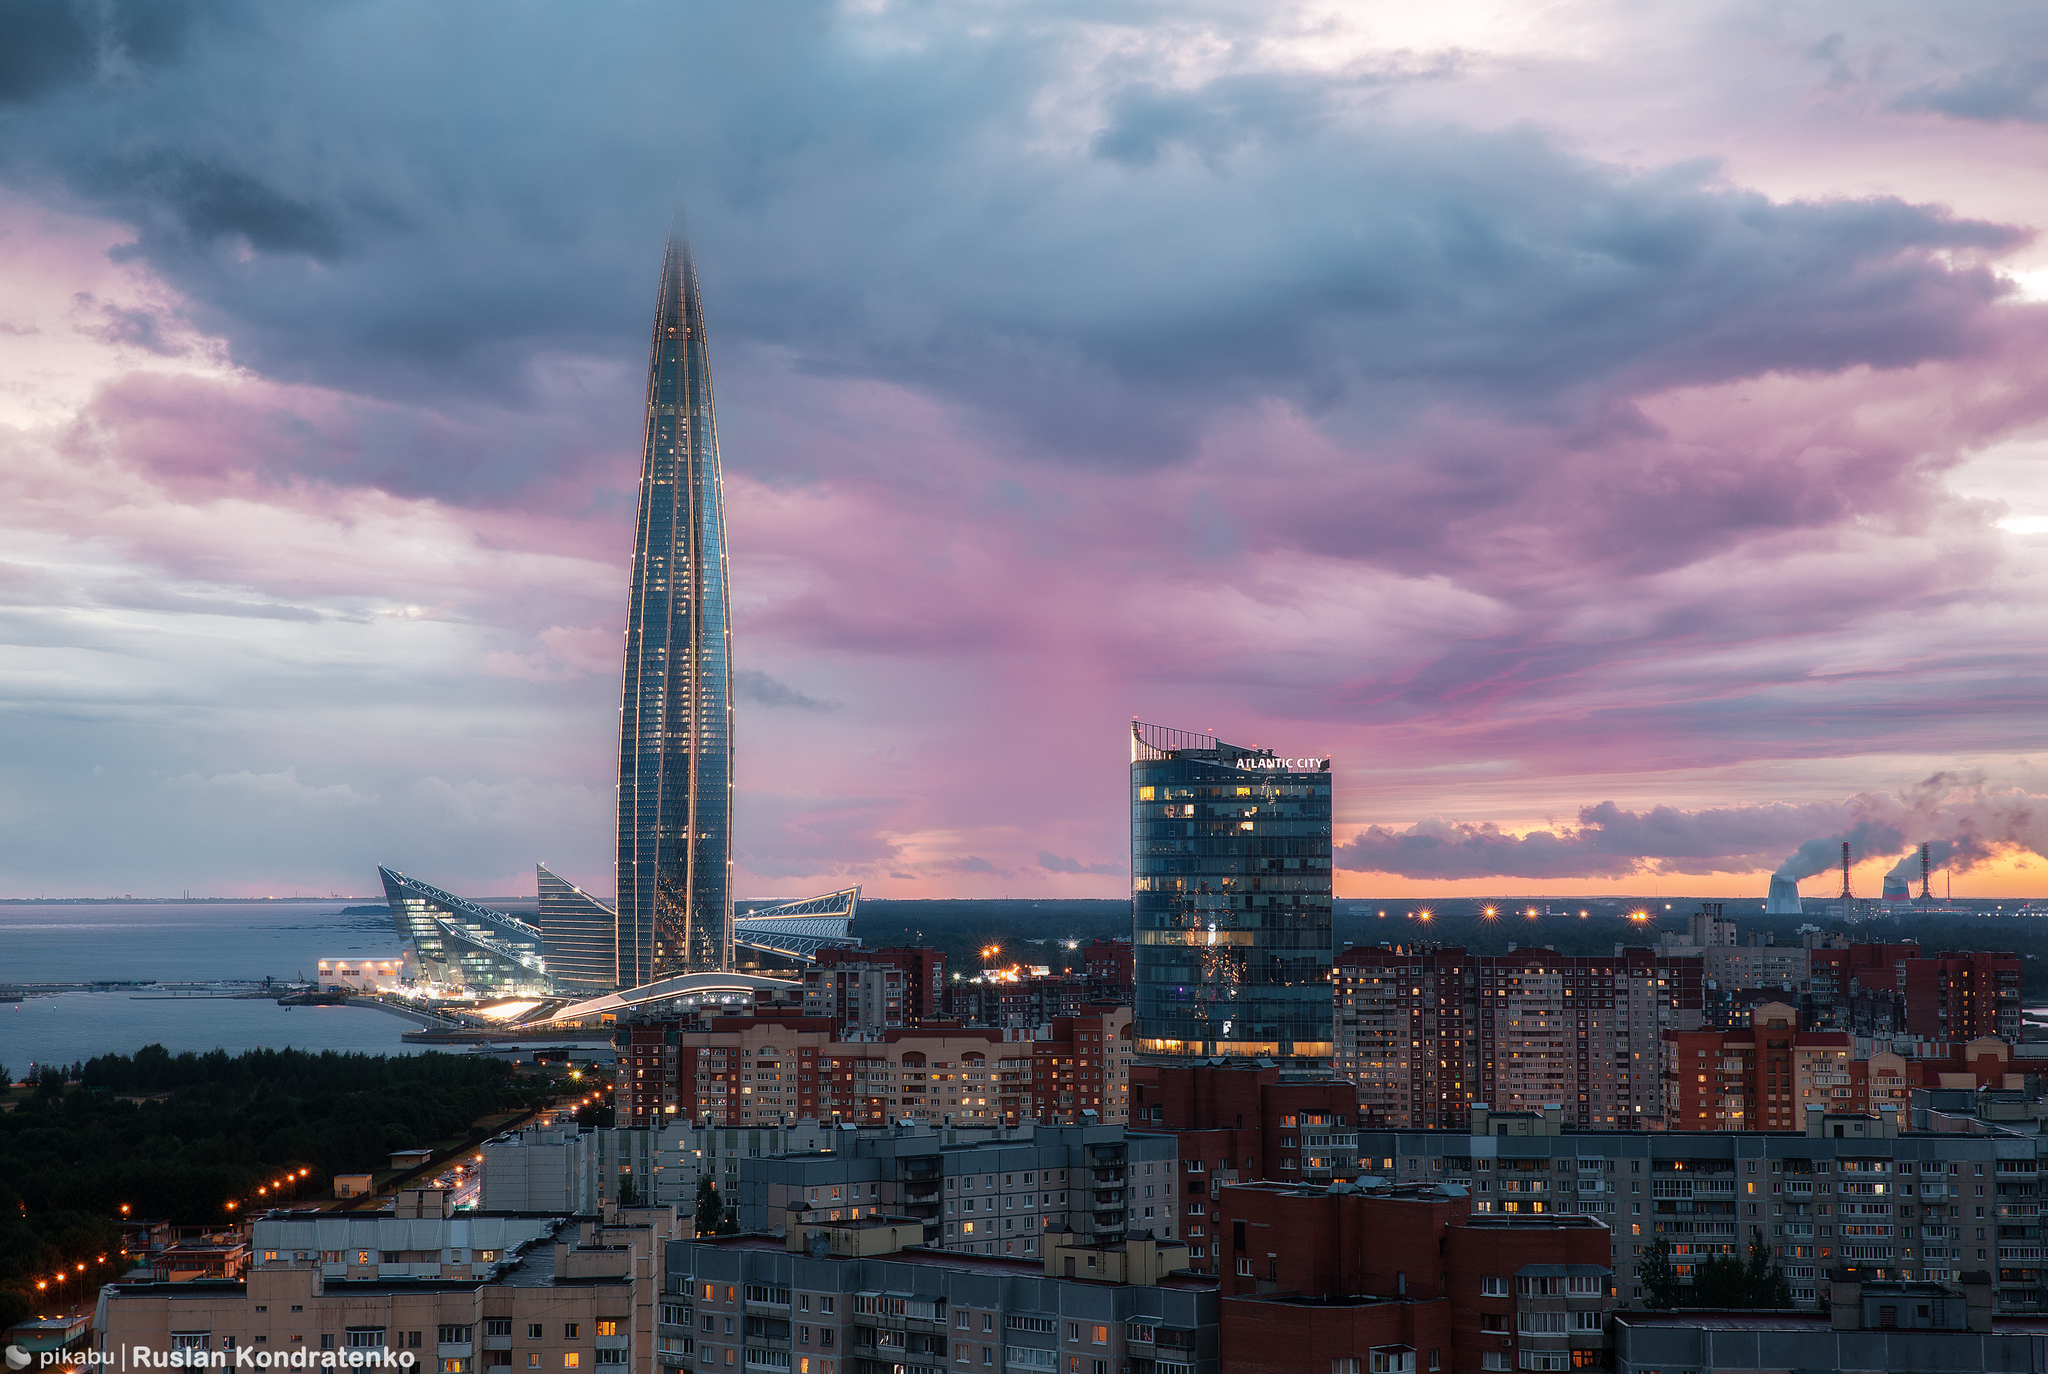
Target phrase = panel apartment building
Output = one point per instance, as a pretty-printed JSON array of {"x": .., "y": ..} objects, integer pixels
[
  {"x": 1425, "y": 1033},
  {"x": 991, "y": 1197},
  {"x": 1845, "y": 1192}
]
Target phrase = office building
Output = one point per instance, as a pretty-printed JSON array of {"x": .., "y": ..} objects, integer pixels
[
  {"x": 1230, "y": 898},
  {"x": 580, "y": 934},
  {"x": 1425, "y": 1033},
  {"x": 464, "y": 946},
  {"x": 850, "y": 1298},
  {"x": 993, "y": 1192},
  {"x": 675, "y": 714}
]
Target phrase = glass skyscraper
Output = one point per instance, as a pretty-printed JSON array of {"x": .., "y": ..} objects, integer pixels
[
  {"x": 1230, "y": 900},
  {"x": 675, "y": 719}
]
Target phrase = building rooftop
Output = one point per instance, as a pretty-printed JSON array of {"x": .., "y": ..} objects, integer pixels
[
  {"x": 1002, "y": 1266},
  {"x": 1800, "y": 1322}
]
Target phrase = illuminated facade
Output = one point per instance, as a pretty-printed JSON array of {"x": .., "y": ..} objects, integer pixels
[
  {"x": 675, "y": 718},
  {"x": 1230, "y": 900},
  {"x": 460, "y": 944},
  {"x": 579, "y": 934}
]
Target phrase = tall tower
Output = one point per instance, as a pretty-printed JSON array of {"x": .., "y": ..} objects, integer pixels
[
  {"x": 1230, "y": 901},
  {"x": 675, "y": 714}
]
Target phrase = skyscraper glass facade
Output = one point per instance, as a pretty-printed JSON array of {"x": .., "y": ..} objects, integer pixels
[
  {"x": 675, "y": 719},
  {"x": 1230, "y": 900},
  {"x": 579, "y": 934}
]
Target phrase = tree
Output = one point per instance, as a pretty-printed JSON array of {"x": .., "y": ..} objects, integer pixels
[
  {"x": 1763, "y": 1279},
  {"x": 629, "y": 1195},
  {"x": 1720, "y": 1281},
  {"x": 710, "y": 1210},
  {"x": 1657, "y": 1275}
]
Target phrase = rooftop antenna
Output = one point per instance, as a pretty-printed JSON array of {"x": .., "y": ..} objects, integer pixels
[
  {"x": 1926, "y": 895},
  {"x": 1845, "y": 870}
]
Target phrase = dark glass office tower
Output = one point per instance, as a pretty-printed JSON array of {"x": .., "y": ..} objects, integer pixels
[
  {"x": 675, "y": 720},
  {"x": 1230, "y": 900},
  {"x": 580, "y": 935}
]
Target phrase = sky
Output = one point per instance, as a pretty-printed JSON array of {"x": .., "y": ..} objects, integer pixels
[{"x": 1614, "y": 434}]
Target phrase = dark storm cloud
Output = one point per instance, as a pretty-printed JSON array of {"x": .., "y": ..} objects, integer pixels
[{"x": 407, "y": 202}]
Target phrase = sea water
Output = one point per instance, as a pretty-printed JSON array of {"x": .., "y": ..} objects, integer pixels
[{"x": 182, "y": 942}]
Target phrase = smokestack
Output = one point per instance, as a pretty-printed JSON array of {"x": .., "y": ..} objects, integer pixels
[
  {"x": 1926, "y": 867},
  {"x": 1845, "y": 870}
]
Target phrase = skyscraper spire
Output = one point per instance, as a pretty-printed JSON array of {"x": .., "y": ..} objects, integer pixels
[{"x": 675, "y": 715}]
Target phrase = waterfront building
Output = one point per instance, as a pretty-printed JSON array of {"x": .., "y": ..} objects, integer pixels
[
  {"x": 989, "y": 1192},
  {"x": 1230, "y": 898},
  {"x": 579, "y": 934},
  {"x": 855, "y": 1297},
  {"x": 1425, "y": 1033},
  {"x": 462, "y": 944},
  {"x": 675, "y": 717}
]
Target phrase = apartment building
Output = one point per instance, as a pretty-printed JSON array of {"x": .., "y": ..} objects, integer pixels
[
  {"x": 565, "y": 1168},
  {"x": 1001, "y": 1196},
  {"x": 534, "y": 1293},
  {"x": 868, "y": 992},
  {"x": 1426, "y": 1033},
  {"x": 1082, "y": 1063},
  {"x": 1407, "y": 1277},
  {"x": 1919, "y": 1206},
  {"x": 853, "y": 1298},
  {"x": 772, "y": 1070}
]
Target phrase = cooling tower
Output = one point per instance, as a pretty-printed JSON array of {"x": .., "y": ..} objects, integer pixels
[{"x": 1784, "y": 898}]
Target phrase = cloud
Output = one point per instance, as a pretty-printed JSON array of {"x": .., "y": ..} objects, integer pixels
[
  {"x": 1053, "y": 863},
  {"x": 2015, "y": 88},
  {"x": 752, "y": 685},
  {"x": 1975, "y": 822}
]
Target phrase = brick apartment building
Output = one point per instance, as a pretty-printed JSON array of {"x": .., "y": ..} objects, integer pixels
[
  {"x": 867, "y": 992},
  {"x": 770, "y": 1069},
  {"x": 1406, "y": 1278},
  {"x": 1768, "y": 1075},
  {"x": 1427, "y": 1033}
]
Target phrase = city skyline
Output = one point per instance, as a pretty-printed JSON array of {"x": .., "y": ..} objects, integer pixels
[{"x": 1620, "y": 454}]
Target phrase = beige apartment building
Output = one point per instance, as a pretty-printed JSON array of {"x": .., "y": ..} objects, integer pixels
[{"x": 450, "y": 1294}]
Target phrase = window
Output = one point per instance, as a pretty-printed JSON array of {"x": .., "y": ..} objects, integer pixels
[
  {"x": 454, "y": 1364},
  {"x": 825, "y": 1304},
  {"x": 1138, "y": 1331},
  {"x": 1493, "y": 1286},
  {"x": 1586, "y": 1286},
  {"x": 1394, "y": 1360},
  {"x": 571, "y": 1330},
  {"x": 571, "y": 1360},
  {"x": 1589, "y": 1321},
  {"x": 1098, "y": 1335},
  {"x": 1344, "y": 1364},
  {"x": 533, "y": 1331},
  {"x": 365, "y": 1337},
  {"x": 1244, "y": 1267},
  {"x": 496, "y": 1327},
  {"x": 607, "y": 1326},
  {"x": 1493, "y": 1359},
  {"x": 455, "y": 1335},
  {"x": 1044, "y": 1325},
  {"x": 1543, "y": 1323}
]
